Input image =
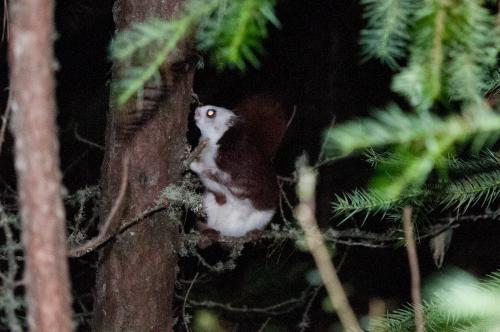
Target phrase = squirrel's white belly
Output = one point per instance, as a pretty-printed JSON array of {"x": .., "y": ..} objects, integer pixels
[{"x": 236, "y": 217}]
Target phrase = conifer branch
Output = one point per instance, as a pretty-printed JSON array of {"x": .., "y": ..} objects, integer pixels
[
  {"x": 386, "y": 34},
  {"x": 232, "y": 31},
  {"x": 456, "y": 302},
  {"x": 480, "y": 189}
]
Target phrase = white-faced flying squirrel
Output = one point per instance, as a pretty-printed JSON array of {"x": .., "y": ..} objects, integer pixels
[{"x": 236, "y": 166}]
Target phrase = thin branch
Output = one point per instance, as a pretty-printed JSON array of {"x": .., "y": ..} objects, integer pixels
[
  {"x": 283, "y": 198},
  {"x": 488, "y": 215},
  {"x": 411, "y": 249},
  {"x": 121, "y": 229},
  {"x": 263, "y": 326},
  {"x": 305, "y": 214},
  {"x": 5, "y": 23},
  {"x": 75, "y": 163},
  {"x": 185, "y": 301},
  {"x": 86, "y": 141},
  {"x": 292, "y": 117},
  {"x": 5, "y": 120},
  {"x": 103, "y": 232},
  {"x": 271, "y": 310},
  {"x": 305, "y": 321},
  {"x": 195, "y": 153}
]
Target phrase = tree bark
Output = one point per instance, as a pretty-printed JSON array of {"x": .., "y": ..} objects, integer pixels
[
  {"x": 37, "y": 165},
  {"x": 136, "y": 272}
]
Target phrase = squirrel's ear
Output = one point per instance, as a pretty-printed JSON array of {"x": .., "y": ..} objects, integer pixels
[{"x": 233, "y": 120}]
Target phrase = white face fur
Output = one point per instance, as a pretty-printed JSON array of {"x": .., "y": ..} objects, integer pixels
[{"x": 213, "y": 121}]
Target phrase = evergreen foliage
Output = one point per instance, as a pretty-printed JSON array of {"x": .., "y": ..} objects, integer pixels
[
  {"x": 387, "y": 32},
  {"x": 420, "y": 141},
  {"x": 452, "y": 55},
  {"x": 232, "y": 31},
  {"x": 445, "y": 56},
  {"x": 481, "y": 189},
  {"x": 235, "y": 35},
  {"x": 455, "y": 302}
]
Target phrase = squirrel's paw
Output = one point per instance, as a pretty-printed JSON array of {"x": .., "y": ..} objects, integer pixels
[{"x": 197, "y": 167}]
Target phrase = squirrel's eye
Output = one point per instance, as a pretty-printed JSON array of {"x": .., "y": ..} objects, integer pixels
[{"x": 211, "y": 113}]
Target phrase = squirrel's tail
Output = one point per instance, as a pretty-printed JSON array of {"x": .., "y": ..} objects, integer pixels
[{"x": 266, "y": 120}]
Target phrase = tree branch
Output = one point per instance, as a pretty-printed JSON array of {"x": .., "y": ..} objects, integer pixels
[
  {"x": 411, "y": 249},
  {"x": 305, "y": 214},
  {"x": 5, "y": 120},
  {"x": 102, "y": 237},
  {"x": 276, "y": 309}
]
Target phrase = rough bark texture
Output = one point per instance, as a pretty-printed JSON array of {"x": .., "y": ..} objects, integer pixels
[
  {"x": 136, "y": 272},
  {"x": 37, "y": 165}
]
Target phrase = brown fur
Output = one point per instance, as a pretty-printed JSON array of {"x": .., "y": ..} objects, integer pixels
[
  {"x": 265, "y": 121},
  {"x": 252, "y": 172},
  {"x": 219, "y": 197}
]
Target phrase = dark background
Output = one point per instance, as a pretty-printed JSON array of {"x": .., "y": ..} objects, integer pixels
[{"x": 314, "y": 64}]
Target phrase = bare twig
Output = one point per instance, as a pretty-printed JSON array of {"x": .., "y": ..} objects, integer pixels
[
  {"x": 121, "y": 229},
  {"x": 271, "y": 310},
  {"x": 185, "y": 320},
  {"x": 294, "y": 112},
  {"x": 75, "y": 163},
  {"x": 283, "y": 198},
  {"x": 5, "y": 24},
  {"x": 263, "y": 326},
  {"x": 5, "y": 120},
  {"x": 86, "y": 141},
  {"x": 195, "y": 153},
  {"x": 488, "y": 215},
  {"x": 353, "y": 237},
  {"x": 411, "y": 249},
  {"x": 103, "y": 232},
  {"x": 305, "y": 321},
  {"x": 305, "y": 214}
]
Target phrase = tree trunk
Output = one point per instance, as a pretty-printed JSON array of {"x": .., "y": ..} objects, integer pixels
[
  {"x": 37, "y": 165},
  {"x": 136, "y": 272}
]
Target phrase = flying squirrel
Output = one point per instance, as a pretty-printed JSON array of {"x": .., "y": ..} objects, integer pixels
[{"x": 236, "y": 166}]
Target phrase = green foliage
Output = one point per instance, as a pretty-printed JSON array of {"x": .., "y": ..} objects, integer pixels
[
  {"x": 455, "y": 302},
  {"x": 387, "y": 32},
  {"x": 232, "y": 31},
  {"x": 481, "y": 189},
  {"x": 485, "y": 161},
  {"x": 420, "y": 141},
  {"x": 452, "y": 49},
  {"x": 372, "y": 202},
  {"x": 454, "y": 45},
  {"x": 471, "y": 182},
  {"x": 235, "y": 33}
]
